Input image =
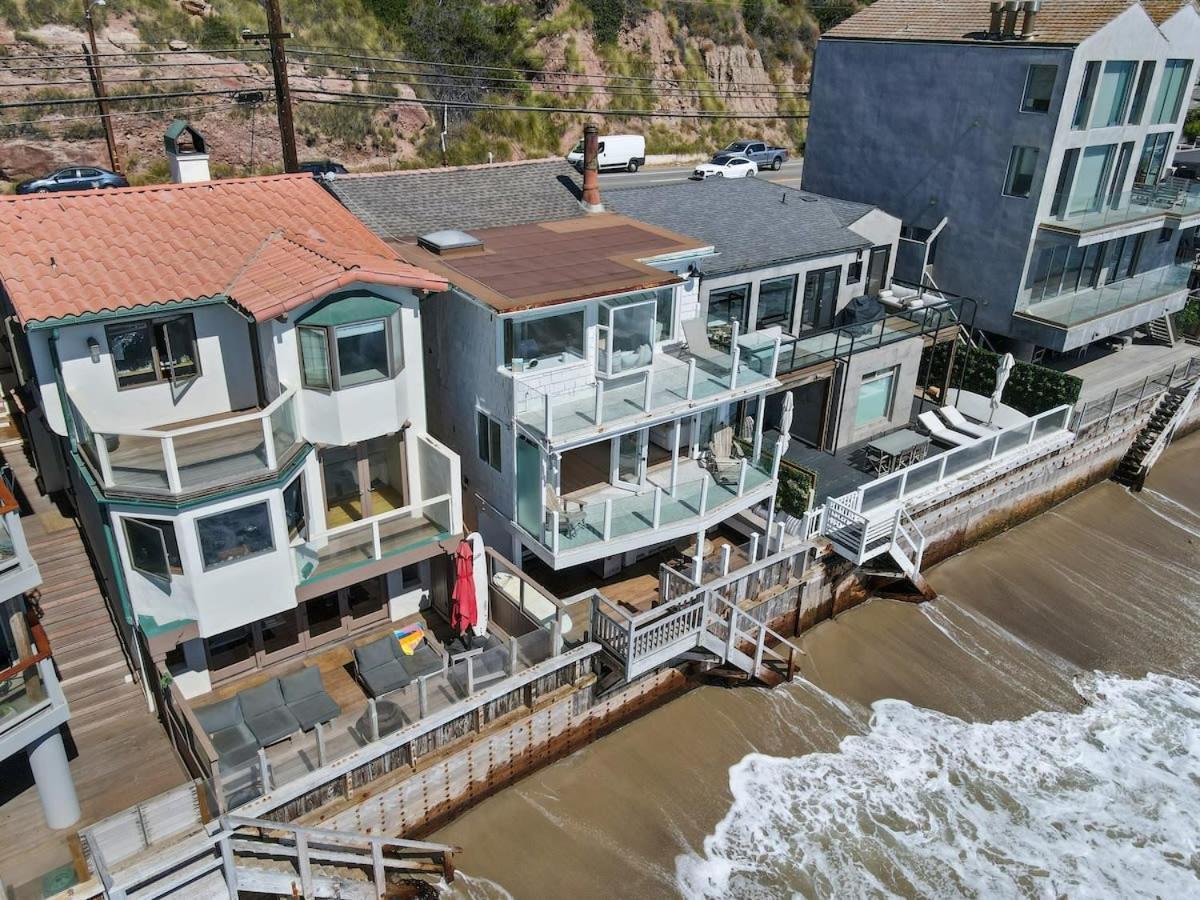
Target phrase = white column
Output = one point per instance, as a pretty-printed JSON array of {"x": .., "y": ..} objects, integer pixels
[
  {"x": 675, "y": 435},
  {"x": 52, "y": 773},
  {"x": 758, "y": 426}
]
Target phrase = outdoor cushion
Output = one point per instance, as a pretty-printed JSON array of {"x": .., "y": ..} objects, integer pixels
[
  {"x": 233, "y": 741},
  {"x": 377, "y": 653},
  {"x": 385, "y": 679},
  {"x": 424, "y": 661},
  {"x": 219, "y": 716},
  {"x": 266, "y": 714},
  {"x": 307, "y": 699}
]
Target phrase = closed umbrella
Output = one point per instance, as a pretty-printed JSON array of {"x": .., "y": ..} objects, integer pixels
[
  {"x": 785, "y": 430},
  {"x": 464, "y": 613},
  {"x": 1002, "y": 372}
]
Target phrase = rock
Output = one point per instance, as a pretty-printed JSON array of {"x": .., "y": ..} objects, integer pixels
[
  {"x": 196, "y": 7},
  {"x": 177, "y": 44}
]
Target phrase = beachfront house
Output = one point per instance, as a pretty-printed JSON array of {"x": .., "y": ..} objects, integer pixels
[
  {"x": 598, "y": 418},
  {"x": 226, "y": 378},
  {"x": 819, "y": 270},
  {"x": 1027, "y": 149}
]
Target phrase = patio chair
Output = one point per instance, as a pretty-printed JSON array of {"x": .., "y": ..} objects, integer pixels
[
  {"x": 235, "y": 744},
  {"x": 489, "y": 663},
  {"x": 570, "y": 520},
  {"x": 378, "y": 668},
  {"x": 723, "y": 457},
  {"x": 939, "y": 432},
  {"x": 695, "y": 334},
  {"x": 306, "y": 698},
  {"x": 959, "y": 422},
  {"x": 266, "y": 713}
]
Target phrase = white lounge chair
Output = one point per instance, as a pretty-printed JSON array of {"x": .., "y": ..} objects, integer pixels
[
  {"x": 723, "y": 457},
  {"x": 939, "y": 432},
  {"x": 959, "y": 422},
  {"x": 695, "y": 333}
]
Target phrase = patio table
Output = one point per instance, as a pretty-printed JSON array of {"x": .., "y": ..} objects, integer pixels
[{"x": 897, "y": 450}]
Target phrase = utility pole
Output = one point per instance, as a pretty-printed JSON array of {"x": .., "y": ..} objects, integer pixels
[
  {"x": 93, "y": 61},
  {"x": 275, "y": 35}
]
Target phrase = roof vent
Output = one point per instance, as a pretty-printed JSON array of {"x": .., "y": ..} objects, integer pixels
[
  {"x": 1030, "y": 9},
  {"x": 451, "y": 242}
]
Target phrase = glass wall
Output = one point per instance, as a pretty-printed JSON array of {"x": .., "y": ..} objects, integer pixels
[
  {"x": 776, "y": 302},
  {"x": 1112, "y": 95},
  {"x": 557, "y": 336},
  {"x": 1091, "y": 180},
  {"x": 627, "y": 332},
  {"x": 1176, "y": 81}
]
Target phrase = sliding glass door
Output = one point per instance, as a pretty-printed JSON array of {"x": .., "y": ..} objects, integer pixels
[{"x": 820, "y": 298}]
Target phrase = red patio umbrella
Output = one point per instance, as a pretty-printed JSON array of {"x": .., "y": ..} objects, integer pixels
[{"x": 464, "y": 613}]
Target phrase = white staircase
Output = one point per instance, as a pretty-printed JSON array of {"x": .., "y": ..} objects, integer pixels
[{"x": 1161, "y": 331}]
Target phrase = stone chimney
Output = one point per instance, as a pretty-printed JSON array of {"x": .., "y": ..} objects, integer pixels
[
  {"x": 591, "y": 170},
  {"x": 186, "y": 153}
]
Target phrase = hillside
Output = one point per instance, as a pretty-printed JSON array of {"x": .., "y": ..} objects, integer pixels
[{"x": 361, "y": 97}]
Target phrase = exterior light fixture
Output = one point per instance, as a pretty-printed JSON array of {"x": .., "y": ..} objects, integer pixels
[{"x": 93, "y": 345}]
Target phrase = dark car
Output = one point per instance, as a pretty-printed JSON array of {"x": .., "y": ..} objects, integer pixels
[
  {"x": 324, "y": 167},
  {"x": 75, "y": 178}
]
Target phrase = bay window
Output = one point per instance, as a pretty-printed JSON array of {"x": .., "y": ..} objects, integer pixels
[{"x": 350, "y": 340}]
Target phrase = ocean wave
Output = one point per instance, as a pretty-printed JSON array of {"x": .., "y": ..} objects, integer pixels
[{"x": 1100, "y": 803}]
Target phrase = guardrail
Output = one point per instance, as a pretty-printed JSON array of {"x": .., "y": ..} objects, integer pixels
[{"x": 1102, "y": 409}]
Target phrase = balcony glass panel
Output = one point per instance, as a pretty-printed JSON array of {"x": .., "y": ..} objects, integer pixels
[
  {"x": 222, "y": 454},
  {"x": 137, "y": 462},
  {"x": 1073, "y": 308},
  {"x": 1173, "y": 197},
  {"x": 20, "y": 694}
]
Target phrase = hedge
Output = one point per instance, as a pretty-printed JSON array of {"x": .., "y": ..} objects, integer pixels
[{"x": 1031, "y": 389}]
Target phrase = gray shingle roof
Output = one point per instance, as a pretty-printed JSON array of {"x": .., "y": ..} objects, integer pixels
[
  {"x": 752, "y": 222},
  {"x": 407, "y": 204}
]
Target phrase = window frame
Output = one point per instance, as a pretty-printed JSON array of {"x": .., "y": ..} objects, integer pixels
[
  {"x": 1010, "y": 172},
  {"x": 164, "y": 528},
  {"x": 508, "y": 340},
  {"x": 151, "y": 323},
  {"x": 789, "y": 316},
  {"x": 1087, "y": 96},
  {"x": 1141, "y": 91},
  {"x": 1029, "y": 74},
  {"x": 1159, "y": 116},
  {"x": 891, "y": 374},
  {"x": 300, "y": 532},
  {"x": 744, "y": 314},
  {"x": 1118, "y": 113},
  {"x": 485, "y": 427},
  {"x": 393, "y": 337},
  {"x": 200, "y": 520}
]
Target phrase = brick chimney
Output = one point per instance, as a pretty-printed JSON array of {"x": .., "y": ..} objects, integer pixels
[{"x": 591, "y": 170}]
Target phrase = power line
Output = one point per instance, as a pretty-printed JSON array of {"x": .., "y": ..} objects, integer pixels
[
  {"x": 116, "y": 115},
  {"x": 168, "y": 52},
  {"x": 124, "y": 98}
]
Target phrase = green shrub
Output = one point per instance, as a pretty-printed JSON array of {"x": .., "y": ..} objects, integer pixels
[
  {"x": 1187, "y": 320},
  {"x": 1031, "y": 389},
  {"x": 796, "y": 488}
]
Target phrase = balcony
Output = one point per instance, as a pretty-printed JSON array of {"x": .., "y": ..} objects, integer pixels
[
  {"x": 1069, "y": 310},
  {"x": 1144, "y": 206},
  {"x": 31, "y": 698},
  {"x": 604, "y": 520},
  {"x": 674, "y": 384},
  {"x": 192, "y": 457}
]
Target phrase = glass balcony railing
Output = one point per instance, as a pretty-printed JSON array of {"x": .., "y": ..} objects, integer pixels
[
  {"x": 673, "y": 381},
  {"x": 192, "y": 458},
  {"x": 1070, "y": 309},
  {"x": 1173, "y": 197}
]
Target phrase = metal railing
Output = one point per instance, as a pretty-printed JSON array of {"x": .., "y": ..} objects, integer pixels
[
  {"x": 1073, "y": 307},
  {"x": 195, "y": 457},
  {"x": 1135, "y": 395},
  {"x": 1170, "y": 197}
]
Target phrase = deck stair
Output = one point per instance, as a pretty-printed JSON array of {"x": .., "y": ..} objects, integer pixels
[
  {"x": 1156, "y": 435},
  {"x": 1160, "y": 331},
  {"x": 886, "y": 534}
]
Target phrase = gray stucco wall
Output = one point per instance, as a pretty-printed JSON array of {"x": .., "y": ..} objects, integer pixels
[
  {"x": 903, "y": 355},
  {"x": 925, "y": 131}
]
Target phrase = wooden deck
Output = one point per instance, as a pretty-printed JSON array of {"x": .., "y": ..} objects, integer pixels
[{"x": 120, "y": 754}]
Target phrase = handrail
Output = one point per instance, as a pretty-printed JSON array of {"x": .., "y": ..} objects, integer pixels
[
  {"x": 40, "y": 642},
  {"x": 159, "y": 434},
  {"x": 763, "y": 625}
]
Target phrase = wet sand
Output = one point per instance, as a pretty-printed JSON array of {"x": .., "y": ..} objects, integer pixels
[{"x": 1103, "y": 582}]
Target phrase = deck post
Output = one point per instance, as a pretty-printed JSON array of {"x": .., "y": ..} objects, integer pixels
[
  {"x": 741, "y": 488},
  {"x": 753, "y": 551},
  {"x": 269, "y": 443},
  {"x": 376, "y": 543},
  {"x": 512, "y": 655},
  {"x": 726, "y": 553},
  {"x": 657, "y": 505},
  {"x": 228, "y": 865},
  {"x": 556, "y": 634},
  {"x": 548, "y": 407},
  {"x": 373, "y": 718},
  {"x": 608, "y": 518},
  {"x": 320, "y": 730},
  {"x": 691, "y": 378},
  {"x": 103, "y": 459},
  {"x": 422, "y": 697},
  {"x": 470, "y": 675},
  {"x": 304, "y": 863},
  {"x": 704, "y": 496},
  {"x": 648, "y": 394},
  {"x": 377, "y": 871},
  {"x": 598, "y": 411},
  {"x": 729, "y": 639},
  {"x": 264, "y": 770},
  {"x": 172, "y": 466},
  {"x": 758, "y": 426},
  {"x": 629, "y": 640},
  {"x": 676, "y": 432},
  {"x": 775, "y": 356}
]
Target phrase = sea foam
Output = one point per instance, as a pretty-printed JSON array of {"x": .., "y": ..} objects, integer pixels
[{"x": 1099, "y": 803}]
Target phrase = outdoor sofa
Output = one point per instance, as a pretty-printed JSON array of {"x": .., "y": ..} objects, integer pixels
[{"x": 382, "y": 667}]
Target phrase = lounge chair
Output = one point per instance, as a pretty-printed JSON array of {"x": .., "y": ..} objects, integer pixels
[
  {"x": 939, "y": 432},
  {"x": 489, "y": 662},
  {"x": 235, "y": 744},
  {"x": 383, "y": 667},
  {"x": 723, "y": 457},
  {"x": 306, "y": 697},
  {"x": 959, "y": 422},
  {"x": 266, "y": 713},
  {"x": 695, "y": 334}
]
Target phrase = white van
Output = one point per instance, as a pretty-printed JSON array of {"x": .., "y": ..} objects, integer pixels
[{"x": 617, "y": 151}]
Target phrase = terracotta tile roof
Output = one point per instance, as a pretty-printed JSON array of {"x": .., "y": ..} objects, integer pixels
[
  {"x": 267, "y": 244},
  {"x": 525, "y": 266},
  {"x": 1058, "y": 22}
]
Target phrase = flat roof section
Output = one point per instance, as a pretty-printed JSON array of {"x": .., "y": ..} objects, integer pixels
[{"x": 529, "y": 266}]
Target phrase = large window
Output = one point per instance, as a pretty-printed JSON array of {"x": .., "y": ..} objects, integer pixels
[
  {"x": 152, "y": 350},
  {"x": 1154, "y": 157},
  {"x": 235, "y": 535},
  {"x": 1112, "y": 94},
  {"x": 153, "y": 549},
  {"x": 294, "y": 510},
  {"x": 1022, "y": 162},
  {"x": 875, "y": 396},
  {"x": 1176, "y": 82},
  {"x": 1039, "y": 89},
  {"x": 664, "y": 314},
  {"x": 1087, "y": 92},
  {"x": 1092, "y": 177},
  {"x": 558, "y": 336},
  {"x": 1142, "y": 95},
  {"x": 625, "y": 340},
  {"x": 345, "y": 355},
  {"x": 820, "y": 298},
  {"x": 728, "y": 305},
  {"x": 776, "y": 302},
  {"x": 1066, "y": 269},
  {"x": 488, "y": 438}
]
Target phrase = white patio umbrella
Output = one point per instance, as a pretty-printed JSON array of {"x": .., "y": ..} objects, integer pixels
[
  {"x": 1002, "y": 372},
  {"x": 785, "y": 431}
]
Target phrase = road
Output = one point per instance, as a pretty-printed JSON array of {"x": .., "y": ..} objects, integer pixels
[{"x": 789, "y": 175}]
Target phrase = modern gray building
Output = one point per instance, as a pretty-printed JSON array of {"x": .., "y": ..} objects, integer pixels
[{"x": 1026, "y": 147}]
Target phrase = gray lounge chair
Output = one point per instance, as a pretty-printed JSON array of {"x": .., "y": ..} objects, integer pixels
[
  {"x": 266, "y": 713},
  {"x": 488, "y": 662},
  {"x": 306, "y": 698},
  {"x": 234, "y": 742},
  {"x": 378, "y": 668}
]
